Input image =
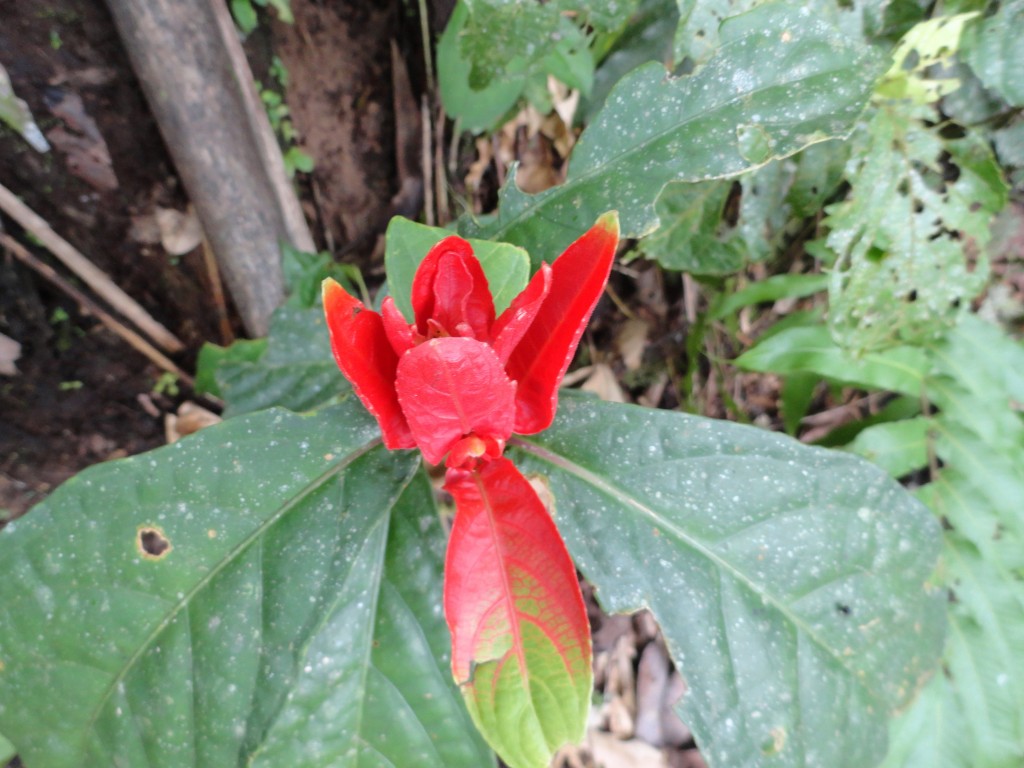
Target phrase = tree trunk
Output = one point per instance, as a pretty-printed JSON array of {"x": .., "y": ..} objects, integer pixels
[{"x": 202, "y": 98}]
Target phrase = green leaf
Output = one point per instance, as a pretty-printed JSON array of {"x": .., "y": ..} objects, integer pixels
[
  {"x": 785, "y": 578},
  {"x": 796, "y": 77},
  {"x": 994, "y": 51},
  {"x": 478, "y": 109},
  {"x": 297, "y": 371},
  {"x": 811, "y": 349},
  {"x": 305, "y": 272},
  {"x": 764, "y": 208},
  {"x": 974, "y": 714},
  {"x": 213, "y": 356},
  {"x": 245, "y": 15},
  {"x": 15, "y": 113},
  {"x": 898, "y": 447},
  {"x": 795, "y": 399},
  {"x": 687, "y": 238},
  {"x": 506, "y": 267},
  {"x": 696, "y": 36},
  {"x": 646, "y": 36},
  {"x": 7, "y": 750},
  {"x": 263, "y": 593},
  {"x": 502, "y": 38},
  {"x": 769, "y": 290},
  {"x": 926, "y": 46},
  {"x": 902, "y": 273},
  {"x": 819, "y": 172}
]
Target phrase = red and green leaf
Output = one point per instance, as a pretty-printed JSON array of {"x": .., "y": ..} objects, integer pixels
[
  {"x": 542, "y": 356},
  {"x": 366, "y": 357},
  {"x": 520, "y": 639}
]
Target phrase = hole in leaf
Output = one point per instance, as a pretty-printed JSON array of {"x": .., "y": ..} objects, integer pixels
[
  {"x": 152, "y": 542},
  {"x": 951, "y": 130}
]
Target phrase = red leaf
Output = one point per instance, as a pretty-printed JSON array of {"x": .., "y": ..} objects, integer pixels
[
  {"x": 515, "y": 321},
  {"x": 450, "y": 288},
  {"x": 365, "y": 356},
  {"x": 398, "y": 330},
  {"x": 520, "y": 638},
  {"x": 451, "y": 388},
  {"x": 542, "y": 356}
]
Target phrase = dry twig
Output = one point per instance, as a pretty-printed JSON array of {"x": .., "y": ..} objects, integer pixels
[
  {"x": 85, "y": 269},
  {"x": 21, "y": 253}
]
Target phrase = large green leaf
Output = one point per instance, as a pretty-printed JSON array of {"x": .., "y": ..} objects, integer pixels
[
  {"x": 688, "y": 236},
  {"x": 811, "y": 349},
  {"x": 296, "y": 370},
  {"x": 994, "y": 51},
  {"x": 973, "y": 715},
  {"x": 904, "y": 271},
  {"x": 781, "y": 80},
  {"x": 790, "y": 582},
  {"x": 264, "y": 593}
]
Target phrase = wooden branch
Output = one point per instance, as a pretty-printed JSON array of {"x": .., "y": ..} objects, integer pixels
[
  {"x": 22, "y": 254},
  {"x": 197, "y": 96},
  {"x": 94, "y": 277},
  {"x": 266, "y": 142}
]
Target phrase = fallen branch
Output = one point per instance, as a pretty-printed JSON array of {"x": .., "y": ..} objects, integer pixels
[
  {"x": 22, "y": 254},
  {"x": 94, "y": 277}
]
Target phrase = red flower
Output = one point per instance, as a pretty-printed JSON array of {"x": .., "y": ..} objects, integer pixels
[{"x": 459, "y": 381}]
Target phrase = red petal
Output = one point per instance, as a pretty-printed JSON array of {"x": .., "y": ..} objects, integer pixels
[
  {"x": 451, "y": 388},
  {"x": 513, "y": 323},
  {"x": 365, "y": 356},
  {"x": 540, "y": 360},
  {"x": 512, "y": 601},
  {"x": 451, "y": 289},
  {"x": 395, "y": 326}
]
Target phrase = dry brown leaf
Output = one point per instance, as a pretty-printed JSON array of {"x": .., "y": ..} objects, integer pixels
[
  {"x": 674, "y": 730},
  {"x": 610, "y": 752},
  {"x": 565, "y": 100},
  {"x": 189, "y": 419},
  {"x": 602, "y": 382},
  {"x": 10, "y": 350},
  {"x": 631, "y": 341},
  {"x": 477, "y": 169},
  {"x": 86, "y": 152},
  {"x": 180, "y": 232},
  {"x": 651, "y": 684}
]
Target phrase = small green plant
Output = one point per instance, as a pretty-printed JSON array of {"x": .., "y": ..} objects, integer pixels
[
  {"x": 295, "y": 159},
  {"x": 65, "y": 329},
  {"x": 247, "y": 19},
  {"x": 166, "y": 384}
]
